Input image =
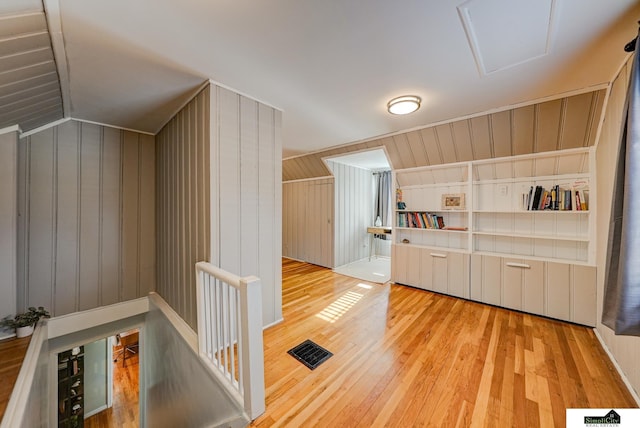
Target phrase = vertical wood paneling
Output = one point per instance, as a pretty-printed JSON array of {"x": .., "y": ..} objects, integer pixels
[
  {"x": 307, "y": 221},
  {"x": 110, "y": 208},
  {"x": 229, "y": 130},
  {"x": 249, "y": 190},
  {"x": 597, "y": 103},
  {"x": 72, "y": 184},
  {"x": 353, "y": 212},
  {"x": 182, "y": 203},
  {"x": 218, "y": 197},
  {"x": 431, "y": 146},
  {"x": 462, "y": 140},
  {"x": 481, "y": 138},
  {"x": 130, "y": 215},
  {"x": 90, "y": 137},
  {"x": 146, "y": 228},
  {"x": 24, "y": 174},
  {"x": 67, "y": 266},
  {"x": 445, "y": 142},
  {"x": 501, "y": 133},
  {"x": 417, "y": 148},
  {"x": 8, "y": 222},
  {"x": 523, "y": 127},
  {"x": 41, "y": 221},
  {"x": 576, "y": 121},
  {"x": 548, "y": 125},
  {"x": 277, "y": 221},
  {"x": 266, "y": 202},
  {"x": 404, "y": 151}
]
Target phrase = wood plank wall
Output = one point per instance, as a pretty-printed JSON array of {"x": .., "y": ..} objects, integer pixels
[
  {"x": 564, "y": 123},
  {"x": 354, "y": 197},
  {"x": 246, "y": 187},
  {"x": 625, "y": 349},
  {"x": 8, "y": 221},
  {"x": 182, "y": 204},
  {"x": 86, "y": 217},
  {"x": 308, "y": 221}
]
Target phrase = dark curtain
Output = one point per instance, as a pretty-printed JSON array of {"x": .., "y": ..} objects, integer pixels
[
  {"x": 383, "y": 199},
  {"x": 621, "y": 305}
]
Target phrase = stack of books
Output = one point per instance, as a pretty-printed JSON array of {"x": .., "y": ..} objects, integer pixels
[{"x": 555, "y": 199}]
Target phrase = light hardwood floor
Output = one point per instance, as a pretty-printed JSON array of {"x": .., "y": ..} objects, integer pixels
[
  {"x": 405, "y": 357},
  {"x": 125, "y": 410}
]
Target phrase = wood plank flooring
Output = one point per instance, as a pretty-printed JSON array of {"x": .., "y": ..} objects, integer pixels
[
  {"x": 12, "y": 353},
  {"x": 125, "y": 410},
  {"x": 406, "y": 358}
]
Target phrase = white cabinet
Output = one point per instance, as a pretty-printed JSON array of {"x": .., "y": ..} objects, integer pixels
[
  {"x": 505, "y": 252},
  {"x": 433, "y": 270},
  {"x": 557, "y": 290}
]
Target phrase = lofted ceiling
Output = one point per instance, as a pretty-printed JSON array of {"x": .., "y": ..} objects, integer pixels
[
  {"x": 332, "y": 66},
  {"x": 29, "y": 86}
]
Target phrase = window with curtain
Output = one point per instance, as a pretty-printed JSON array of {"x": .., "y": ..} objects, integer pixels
[
  {"x": 621, "y": 303},
  {"x": 383, "y": 199}
]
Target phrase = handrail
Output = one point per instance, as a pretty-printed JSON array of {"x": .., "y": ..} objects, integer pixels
[{"x": 230, "y": 331}]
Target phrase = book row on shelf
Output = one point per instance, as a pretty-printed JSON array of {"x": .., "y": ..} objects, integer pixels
[
  {"x": 421, "y": 220},
  {"x": 556, "y": 199}
]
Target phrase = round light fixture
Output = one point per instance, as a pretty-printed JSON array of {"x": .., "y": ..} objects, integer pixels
[{"x": 404, "y": 105}]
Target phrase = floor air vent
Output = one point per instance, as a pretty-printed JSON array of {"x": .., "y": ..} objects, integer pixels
[{"x": 310, "y": 354}]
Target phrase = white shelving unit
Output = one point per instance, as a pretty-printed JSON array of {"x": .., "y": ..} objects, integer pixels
[{"x": 501, "y": 232}]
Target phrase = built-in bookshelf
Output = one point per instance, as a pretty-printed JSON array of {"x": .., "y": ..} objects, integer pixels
[
  {"x": 71, "y": 388},
  {"x": 531, "y": 208},
  {"x": 420, "y": 192},
  {"x": 536, "y": 206}
]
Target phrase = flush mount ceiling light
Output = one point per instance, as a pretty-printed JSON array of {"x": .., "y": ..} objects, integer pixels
[{"x": 404, "y": 105}]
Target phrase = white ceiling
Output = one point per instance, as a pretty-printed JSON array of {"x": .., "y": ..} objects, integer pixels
[{"x": 331, "y": 66}]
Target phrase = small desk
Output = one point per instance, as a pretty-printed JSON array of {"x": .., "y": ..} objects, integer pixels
[{"x": 376, "y": 230}]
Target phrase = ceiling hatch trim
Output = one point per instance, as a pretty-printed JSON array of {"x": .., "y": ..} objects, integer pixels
[{"x": 505, "y": 33}]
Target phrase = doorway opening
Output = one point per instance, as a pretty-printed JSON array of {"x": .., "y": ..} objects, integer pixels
[
  {"x": 122, "y": 383},
  {"x": 363, "y": 214}
]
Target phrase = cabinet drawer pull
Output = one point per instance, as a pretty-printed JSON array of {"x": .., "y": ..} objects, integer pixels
[
  {"x": 442, "y": 256},
  {"x": 519, "y": 265}
]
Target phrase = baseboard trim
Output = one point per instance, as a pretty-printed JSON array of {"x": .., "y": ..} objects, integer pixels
[
  {"x": 276, "y": 322},
  {"x": 96, "y": 411},
  {"x": 617, "y": 366}
]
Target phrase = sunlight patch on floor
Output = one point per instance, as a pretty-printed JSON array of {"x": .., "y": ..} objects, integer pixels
[{"x": 337, "y": 309}]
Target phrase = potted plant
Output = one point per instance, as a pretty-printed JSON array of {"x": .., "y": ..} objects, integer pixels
[{"x": 25, "y": 322}]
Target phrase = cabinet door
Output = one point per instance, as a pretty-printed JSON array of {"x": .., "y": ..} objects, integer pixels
[
  {"x": 400, "y": 262},
  {"x": 533, "y": 287},
  {"x": 557, "y": 286},
  {"x": 413, "y": 267},
  {"x": 458, "y": 272},
  {"x": 426, "y": 269},
  {"x": 440, "y": 271},
  {"x": 475, "y": 279},
  {"x": 584, "y": 295},
  {"x": 486, "y": 279},
  {"x": 512, "y": 279}
]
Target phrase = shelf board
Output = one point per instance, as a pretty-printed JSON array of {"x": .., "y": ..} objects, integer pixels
[
  {"x": 434, "y": 247},
  {"x": 534, "y": 179},
  {"x": 432, "y": 211},
  {"x": 527, "y": 257},
  {"x": 533, "y": 236},
  {"x": 531, "y": 211},
  {"x": 430, "y": 230}
]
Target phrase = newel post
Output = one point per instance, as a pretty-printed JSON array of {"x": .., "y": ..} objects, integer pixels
[{"x": 252, "y": 344}]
